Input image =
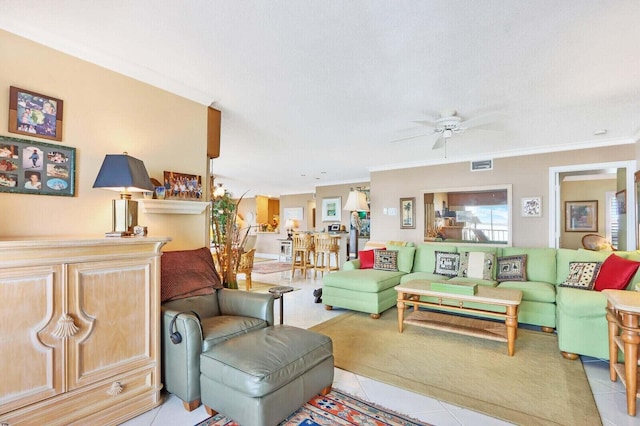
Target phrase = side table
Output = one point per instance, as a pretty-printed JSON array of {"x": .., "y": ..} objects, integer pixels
[
  {"x": 278, "y": 293},
  {"x": 623, "y": 313}
]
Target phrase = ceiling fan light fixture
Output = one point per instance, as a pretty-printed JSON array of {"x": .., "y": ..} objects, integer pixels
[{"x": 447, "y": 133}]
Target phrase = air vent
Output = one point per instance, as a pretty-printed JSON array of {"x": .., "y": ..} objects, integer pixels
[{"x": 481, "y": 165}]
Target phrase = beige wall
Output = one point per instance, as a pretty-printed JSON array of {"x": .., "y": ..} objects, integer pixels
[
  {"x": 584, "y": 191},
  {"x": 331, "y": 191},
  {"x": 104, "y": 113},
  {"x": 529, "y": 176}
]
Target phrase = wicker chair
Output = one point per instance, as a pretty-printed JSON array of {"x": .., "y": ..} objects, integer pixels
[
  {"x": 325, "y": 246},
  {"x": 246, "y": 266},
  {"x": 302, "y": 253},
  {"x": 596, "y": 242}
]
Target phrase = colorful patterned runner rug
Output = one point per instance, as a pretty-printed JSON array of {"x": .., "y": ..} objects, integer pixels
[
  {"x": 270, "y": 267},
  {"x": 336, "y": 408}
]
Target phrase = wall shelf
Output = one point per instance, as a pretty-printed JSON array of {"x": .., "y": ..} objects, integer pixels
[{"x": 173, "y": 206}]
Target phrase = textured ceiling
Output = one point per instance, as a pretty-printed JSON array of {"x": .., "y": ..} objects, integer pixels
[{"x": 320, "y": 88}]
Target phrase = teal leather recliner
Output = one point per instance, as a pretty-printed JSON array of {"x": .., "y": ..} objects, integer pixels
[{"x": 224, "y": 315}]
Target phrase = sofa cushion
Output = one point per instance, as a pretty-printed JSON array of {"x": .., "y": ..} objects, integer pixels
[
  {"x": 615, "y": 273},
  {"x": 363, "y": 280},
  {"x": 512, "y": 268},
  {"x": 581, "y": 304},
  {"x": 541, "y": 262},
  {"x": 534, "y": 291},
  {"x": 185, "y": 273},
  {"x": 447, "y": 264},
  {"x": 405, "y": 257},
  {"x": 425, "y": 257},
  {"x": 565, "y": 256},
  {"x": 477, "y": 264},
  {"x": 582, "y": 275},
  {"x": 385, "y": 260},
  {"x": 427, "y": 276}
]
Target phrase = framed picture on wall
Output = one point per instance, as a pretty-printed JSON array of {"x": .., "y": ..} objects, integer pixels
[
  {"x": 332, "y": 209},
  {"x": 32, "y": 167},
  {"x": 581, "y": 216},
  {"x": 408, "y": 213},
  {"x": 531, "y": 207},
  {"x": 34, "y": 114}
]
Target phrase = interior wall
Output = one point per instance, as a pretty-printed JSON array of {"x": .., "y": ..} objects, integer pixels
[
  {"x": 104, "y": 113},
  {"x": 528, "y": 175},
  {"x": 332, "y": 191},
  {"x": 583, "y": 190},
  {"x": 306, "y": 201}
]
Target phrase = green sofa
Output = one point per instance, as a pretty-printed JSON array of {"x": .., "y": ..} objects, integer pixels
[{"x": 578, "y": 316}]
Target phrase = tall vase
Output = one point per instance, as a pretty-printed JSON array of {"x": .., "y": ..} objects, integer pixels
[{"x": 230, "y": 280}]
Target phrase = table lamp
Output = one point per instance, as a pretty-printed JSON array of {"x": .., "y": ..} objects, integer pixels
[
  {"x": 289, "y": 225},
  {"x": 126, "y": 174},
  {"x": 356, "y": 202}
]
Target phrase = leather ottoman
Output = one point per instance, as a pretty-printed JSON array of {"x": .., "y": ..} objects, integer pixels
[{"x": 263, "y": 376}]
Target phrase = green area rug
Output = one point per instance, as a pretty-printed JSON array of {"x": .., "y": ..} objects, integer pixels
[
  {"x": 336, "y": 408},
  {"x": 536, "y": 386}
]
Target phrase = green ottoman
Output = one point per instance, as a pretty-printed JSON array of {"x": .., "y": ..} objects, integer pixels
[{"x": 261, "y": 377}]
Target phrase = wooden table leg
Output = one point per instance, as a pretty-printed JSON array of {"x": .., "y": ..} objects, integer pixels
[
  {"x": 512, "y": 328},
  {"x": 631, "y": 340},
  {"x": 400, "y": 306},
  {"x": 613, "y": 348}
]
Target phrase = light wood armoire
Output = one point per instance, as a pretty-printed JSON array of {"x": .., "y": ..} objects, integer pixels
[{"x": 79, "y": 330}]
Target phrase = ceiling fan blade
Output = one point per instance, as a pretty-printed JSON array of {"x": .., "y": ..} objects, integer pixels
[
  {"x": 482, "y": 120},
  {"x": 440, "y": 142},
  {"x": 410, "y": 137},
  {"x": 427, "y": 123}
]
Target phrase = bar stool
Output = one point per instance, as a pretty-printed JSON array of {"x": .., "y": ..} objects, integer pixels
[
  {"x": 302, "y": 253},
  {"x": 326, "y": 245}
]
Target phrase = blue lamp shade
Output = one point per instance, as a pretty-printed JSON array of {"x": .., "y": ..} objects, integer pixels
[{"x": 123, "y": 173}]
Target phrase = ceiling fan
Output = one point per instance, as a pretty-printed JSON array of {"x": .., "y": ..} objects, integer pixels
[{"x": 449, "y": 124}]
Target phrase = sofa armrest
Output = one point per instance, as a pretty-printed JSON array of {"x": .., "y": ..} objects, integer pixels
[
  {"x": 242, "y": 303},
  {"x": 350, "y": 265},
  {"x": 181, "y": 362}
]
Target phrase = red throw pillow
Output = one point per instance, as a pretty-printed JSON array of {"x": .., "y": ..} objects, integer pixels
[
  {"x": 615, "y": 273},
  {"x": 367, "y": 258}
]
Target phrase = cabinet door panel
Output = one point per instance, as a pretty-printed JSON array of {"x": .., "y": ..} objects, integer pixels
[
  {"x": 112, "y": 302},
  {"x": 30, "y": 355}
]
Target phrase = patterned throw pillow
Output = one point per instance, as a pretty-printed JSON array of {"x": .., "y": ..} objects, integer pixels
[
  {"x": 447, "y": 264},
  {"x": 477, "y": 264},
  {"x": 386, "y": 260},
  {"x": 512, "y": 268},
  {"x": 582, "y": 275}
]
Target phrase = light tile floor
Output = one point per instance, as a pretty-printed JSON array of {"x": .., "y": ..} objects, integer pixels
[{"x": 300, "y": 311}]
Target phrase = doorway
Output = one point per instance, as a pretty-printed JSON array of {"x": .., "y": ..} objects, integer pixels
[{"x": 623, "y": 172}]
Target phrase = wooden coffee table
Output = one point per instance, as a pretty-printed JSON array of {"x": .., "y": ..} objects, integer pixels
[{"x": 409, "y": 294}]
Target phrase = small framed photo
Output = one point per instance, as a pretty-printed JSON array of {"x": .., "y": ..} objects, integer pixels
[
  {"x": 581, "y": 216},
  {"x": 621, "y": 201},
  {"x": 407, "y": 213},
  {"x": 531, "y": 207},
  {"x": 181, "y": 186},
  {"x": 34, "y": 114},
  {"x": 332, "y": 209}
]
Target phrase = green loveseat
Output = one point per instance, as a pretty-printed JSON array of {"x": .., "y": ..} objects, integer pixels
[{"x": 578, "y": 316}]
